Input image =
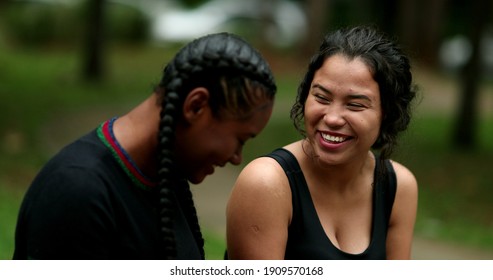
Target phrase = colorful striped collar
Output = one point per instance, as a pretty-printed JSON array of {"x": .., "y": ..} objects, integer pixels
[{"x": 105, "y": 133}]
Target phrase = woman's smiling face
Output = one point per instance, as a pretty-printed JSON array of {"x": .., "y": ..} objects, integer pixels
[
  {"x": 342, "y": 112},
  {"x": 213, "y": 142}
]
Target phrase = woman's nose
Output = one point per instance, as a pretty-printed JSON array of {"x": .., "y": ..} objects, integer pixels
[
  {"x": 334, "y": 117},
  {"x": 236, "y": 158}
]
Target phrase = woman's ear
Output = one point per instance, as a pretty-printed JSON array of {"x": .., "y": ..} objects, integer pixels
[{"x": 196, "y": 103}]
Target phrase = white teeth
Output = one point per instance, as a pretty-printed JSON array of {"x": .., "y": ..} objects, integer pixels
[{"x": 331, "y": 138}]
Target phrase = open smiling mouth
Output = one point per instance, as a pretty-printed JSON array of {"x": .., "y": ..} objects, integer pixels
[{"x": 334, "y": 139}]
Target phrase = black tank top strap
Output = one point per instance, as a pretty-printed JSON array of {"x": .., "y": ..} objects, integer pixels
[
  {"x": 390, "y": 186},
  {"x": 285, "y": 159},
  {"x": 300, "y": 195}
]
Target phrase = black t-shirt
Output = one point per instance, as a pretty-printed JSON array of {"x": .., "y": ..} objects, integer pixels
[
  {"x": 83, "y": 205},
  {"x": 306, "y": 237}
]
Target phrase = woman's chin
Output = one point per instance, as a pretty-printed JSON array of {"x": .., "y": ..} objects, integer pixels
[{"x": 197, "y": 178}]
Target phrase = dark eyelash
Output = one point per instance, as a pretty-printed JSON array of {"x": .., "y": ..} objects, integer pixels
[{"x": 319, "y": 96}]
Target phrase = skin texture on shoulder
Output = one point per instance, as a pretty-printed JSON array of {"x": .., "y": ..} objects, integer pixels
[{"x": 259, "y": 212}]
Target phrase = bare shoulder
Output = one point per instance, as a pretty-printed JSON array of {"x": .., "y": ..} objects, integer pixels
[
  {"x": 405, "y": 177},
  {"x": 263, "y": 174},
  {"x": 406, "y": 197},
  {"x": 261, "y": 191},
  {"x": 259, "y": 211}
]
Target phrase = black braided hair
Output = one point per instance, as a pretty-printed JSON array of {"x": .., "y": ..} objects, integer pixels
[{"x": 237, "y": 77}]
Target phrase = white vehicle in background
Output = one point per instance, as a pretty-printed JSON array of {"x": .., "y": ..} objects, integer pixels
[{"x": 279, "y": 22}]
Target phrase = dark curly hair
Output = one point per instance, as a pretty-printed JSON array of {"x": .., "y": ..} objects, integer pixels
[
  {"x": 237, "y": 77},
  {"x": 390, "y": 68}
]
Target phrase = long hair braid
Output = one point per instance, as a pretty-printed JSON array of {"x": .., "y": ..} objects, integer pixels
[
  {"x": 165, "y": 175},
  {"x": 236, "y": 76}
]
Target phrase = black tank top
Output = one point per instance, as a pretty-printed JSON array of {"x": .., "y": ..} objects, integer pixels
[{"x": 306, "y": 237}]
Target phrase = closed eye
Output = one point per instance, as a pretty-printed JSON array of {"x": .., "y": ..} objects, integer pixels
[
  {"x": 321, "y": 94},
  {"x": 358, "y": 102},
  {"x": 356, "y": 106},
  {"x": 322, "y": 99}
]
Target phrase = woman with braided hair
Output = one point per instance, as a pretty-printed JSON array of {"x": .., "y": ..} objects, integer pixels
[
  {"x": 334, "y": 194},
  {"x": 122, "y": 191}
]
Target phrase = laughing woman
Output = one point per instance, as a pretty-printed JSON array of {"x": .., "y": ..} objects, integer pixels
[
  {"x": 335, "y": 194},
  {"x": 122, "y": 191}
]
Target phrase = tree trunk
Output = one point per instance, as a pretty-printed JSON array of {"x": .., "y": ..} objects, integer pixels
[
  {"x": 420, "y": 25},
  {"x": 431, "y": 30},
  {"x": 464, "y": 136},
  {"x": 317, "y": 14},
  {"x": 93, "y": 64}
]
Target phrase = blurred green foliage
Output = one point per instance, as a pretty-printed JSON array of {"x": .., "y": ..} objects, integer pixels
[
  {"x": 127, "y": 24},
  {"x": 41, "y": 24},
  {"x": 36, "y": 23}
]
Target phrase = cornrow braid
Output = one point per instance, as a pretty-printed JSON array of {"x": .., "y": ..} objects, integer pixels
[
  {"x": 236, "y": 76},
  {"x": 185, "y": 198},
  {"x": 166, "y": 137}
]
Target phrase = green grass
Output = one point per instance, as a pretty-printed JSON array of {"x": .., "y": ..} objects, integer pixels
[
  {"x": 9, "y": 201},
  {"x": 214, "y": 246},
  {"x": 44, "y": 104}
]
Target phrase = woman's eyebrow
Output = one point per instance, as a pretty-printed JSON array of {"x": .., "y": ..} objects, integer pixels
[
  {"x": 359, "y": 96},
  {"x": 321, "y": 88},
  {"x": 351, "y": 96}
]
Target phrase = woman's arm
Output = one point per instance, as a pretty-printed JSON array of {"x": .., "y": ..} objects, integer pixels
[
  {"x": 259, "y": 212},
  {"x": 403, "y": 217}
]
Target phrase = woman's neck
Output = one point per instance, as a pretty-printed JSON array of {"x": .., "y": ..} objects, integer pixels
[
  {"x": 137, "y": 133},
  {"x": 338, "y": 177}
]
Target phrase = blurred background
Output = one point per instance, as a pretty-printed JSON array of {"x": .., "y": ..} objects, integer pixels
[{"x": 68, "y": 65}]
